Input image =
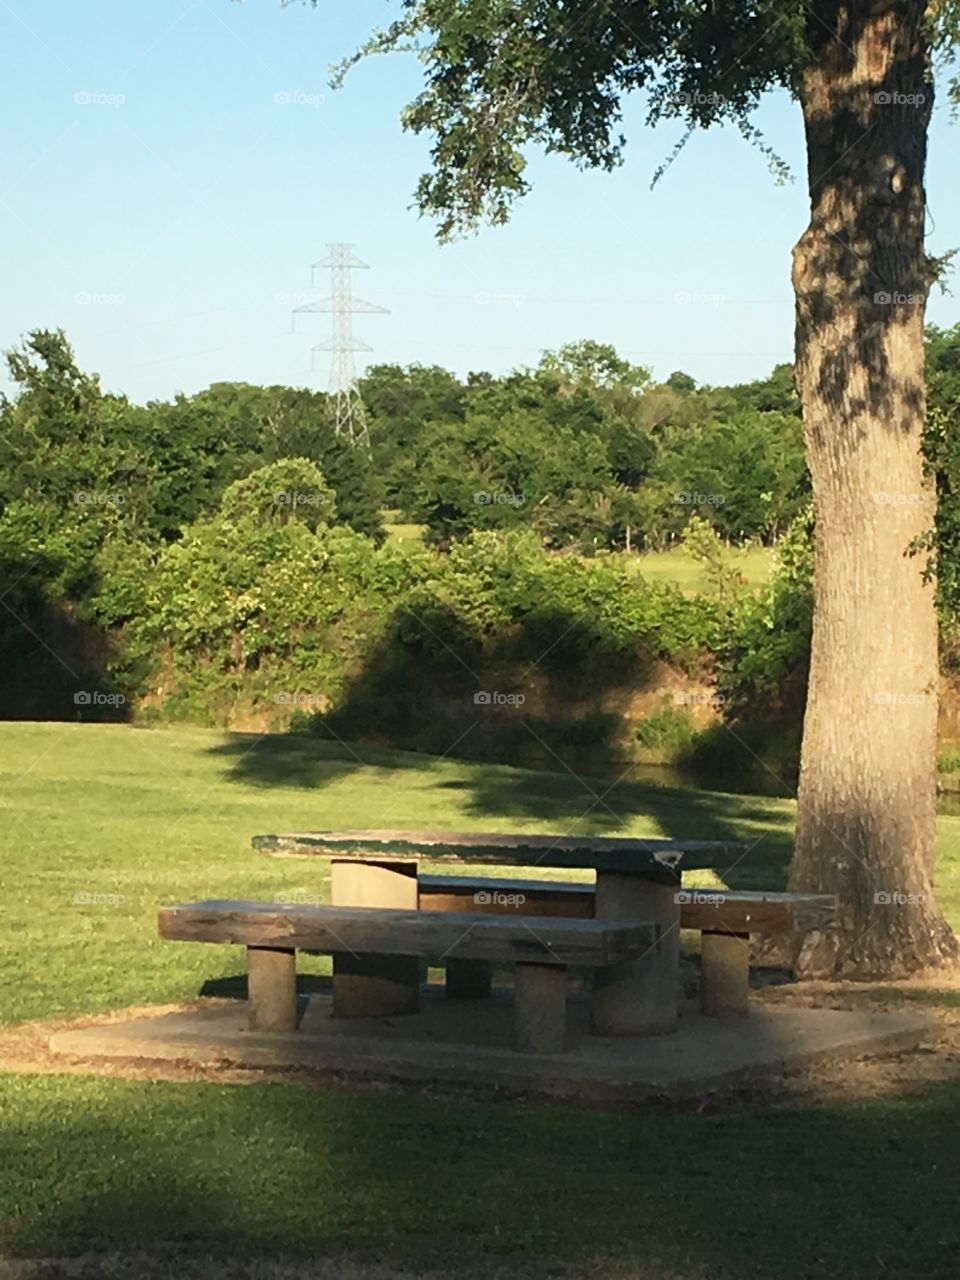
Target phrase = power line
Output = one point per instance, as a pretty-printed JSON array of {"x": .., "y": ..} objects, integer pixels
[{"x": 349, "y": 416}]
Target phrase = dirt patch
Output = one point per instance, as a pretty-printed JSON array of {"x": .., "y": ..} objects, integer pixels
[
  {"x": 24, "y": 1049},
  {"x": 936, "y": 1061},
  {"x": 147, "y": 1266}
]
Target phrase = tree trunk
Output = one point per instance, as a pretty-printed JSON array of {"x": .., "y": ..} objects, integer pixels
[{"x": 867, "y": 800}]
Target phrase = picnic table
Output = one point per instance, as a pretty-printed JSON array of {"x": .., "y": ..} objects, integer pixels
[{"x": 636, "y": 880}]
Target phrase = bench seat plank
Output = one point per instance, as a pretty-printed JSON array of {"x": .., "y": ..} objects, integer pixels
[
  {"x": 383, "y": 931},
  {"x": 707, "y": 910},
  {"x": 751, "y": 911}
]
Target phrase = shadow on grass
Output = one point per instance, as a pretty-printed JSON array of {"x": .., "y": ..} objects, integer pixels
[
  {"x": 234, "y": 986},
  {"x": 547, "y": 698},
  {"x": 496, "y": 796},
  {"x": 845, "y": 1194}
]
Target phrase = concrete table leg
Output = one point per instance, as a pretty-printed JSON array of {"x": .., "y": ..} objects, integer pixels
[
  {"x": 272, "y": 989},
  {"x": 367, "y": 986},
  {"x": 540, "y": 1007},
  {"x": 469, "y": 979},
  {"x": 640, "y": 997},
  {"x": 724, "y": 974}
]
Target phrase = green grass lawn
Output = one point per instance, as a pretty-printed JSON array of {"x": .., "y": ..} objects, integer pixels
[
  {"x": 862, "y": 1191},
  {"x": 399, "y": 531},
  {"x": 407, "y": 534},
  {"x": 134, "y": 818},
  {"x": 681, "y": 569},
  {"x": 139, "y": 817},
  {"x": 677, "y": 567}
]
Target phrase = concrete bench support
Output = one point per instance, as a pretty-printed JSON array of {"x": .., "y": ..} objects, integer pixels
[
  {"x": 540, "y": 1007},
  {"x": 374, "y": 986},
  {"x": 640, "y": 997},
  {"x": 272, "y": 988},
  {"x": 724, "y": 974}
]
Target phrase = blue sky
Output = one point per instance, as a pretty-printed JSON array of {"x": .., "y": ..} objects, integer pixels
[{"x": 161, "y": 201}]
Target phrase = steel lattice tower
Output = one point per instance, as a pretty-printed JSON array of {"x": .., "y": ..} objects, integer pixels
[{"x": 349, "y": 417}]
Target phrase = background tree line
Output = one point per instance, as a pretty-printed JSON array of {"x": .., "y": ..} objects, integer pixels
[
  {"x": 585, "y": 449},
  {"x": 219, "y": 546}
]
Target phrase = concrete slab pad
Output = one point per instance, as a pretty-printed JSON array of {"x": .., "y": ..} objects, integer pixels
[{"x": 468, "y": 1043}]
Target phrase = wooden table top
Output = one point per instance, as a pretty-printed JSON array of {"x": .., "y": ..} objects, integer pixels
[{"x": 601, "y": 853}]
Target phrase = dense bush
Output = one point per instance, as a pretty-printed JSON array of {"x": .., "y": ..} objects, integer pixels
[{"x": 287, "y": 607}]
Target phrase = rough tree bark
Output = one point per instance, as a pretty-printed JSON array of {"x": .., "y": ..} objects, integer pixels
[{"x": 867, "y": 800}]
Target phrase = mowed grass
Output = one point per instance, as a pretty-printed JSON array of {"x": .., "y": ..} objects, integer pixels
[
  {"x": 405, "y": 534},
  {"x": 675, "y": 567},
  {"x": 400, "y": 532},
  {"x": 680, "y": 569},
  {"x": 134, "y": 818},
  {"x": 104, "y": 823},
  {"x": 855, "y": 1191}
]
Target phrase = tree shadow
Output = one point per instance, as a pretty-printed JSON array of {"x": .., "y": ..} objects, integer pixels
[
  {"x": 52, "y": 665},
  {"x": 563, "y": 800},
  {"x": 194, "y": 1170},
  {"x": 555, "y": 683},
  {"x": 549, "y": 702}
]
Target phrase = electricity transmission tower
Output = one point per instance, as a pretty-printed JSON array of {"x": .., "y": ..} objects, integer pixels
[{"x": 349, "y": 417}]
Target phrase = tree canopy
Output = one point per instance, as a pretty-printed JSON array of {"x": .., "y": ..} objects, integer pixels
[{"x": 504, "y": 75}]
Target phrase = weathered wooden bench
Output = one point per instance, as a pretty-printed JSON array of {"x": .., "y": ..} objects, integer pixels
[
  {"x": 724, "y": 919},
  {"x": 540, "y": 948}
]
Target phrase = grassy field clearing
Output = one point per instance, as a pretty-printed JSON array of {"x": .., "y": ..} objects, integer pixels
[
  {"x": 677, "y": 567},
  {"x": 124, "y": 819},
  {"x": 682, "y": 570}
]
